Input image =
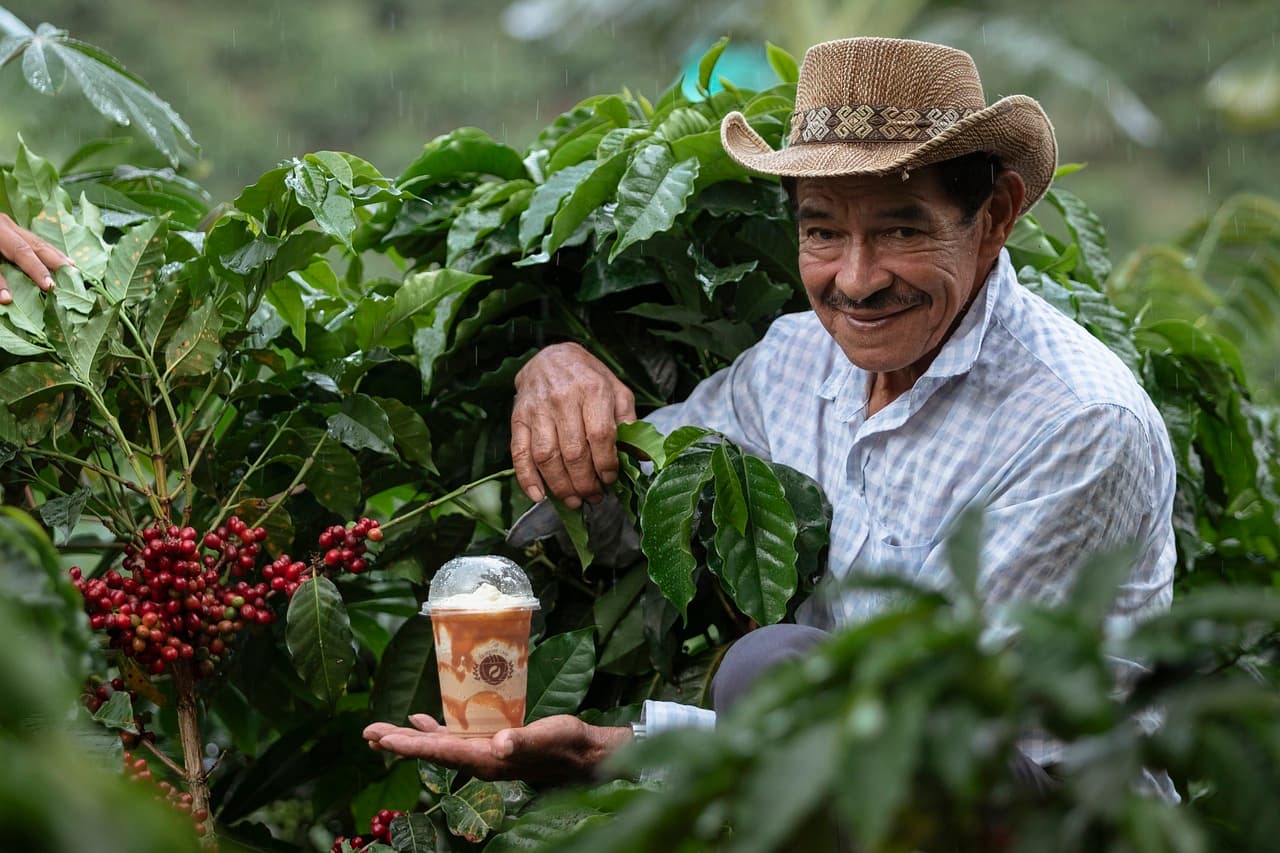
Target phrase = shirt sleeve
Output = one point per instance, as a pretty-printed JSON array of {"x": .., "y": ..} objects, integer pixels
[{"x": 660, "y": 717}]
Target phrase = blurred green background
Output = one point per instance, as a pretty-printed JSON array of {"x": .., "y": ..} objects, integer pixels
[{"x": 1174, "y": 105}]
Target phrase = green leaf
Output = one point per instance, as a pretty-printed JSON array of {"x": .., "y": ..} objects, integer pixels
[
  {"x": 32, "y": 379},
  {"x": 474, "y": 811},
  {"x": 436, "y": 778},
  {"x": 652, "y": 193},
  {"x": 791, "y": 778},
  {"x": 286, "y": 297},
  {"x": 413, "y": 833},
  {"x": 644, "y": 438},
  {"x": 325, "y": 197},
  {"x": 870, "y": 801},
  {"x": 335, "y": 479},
  {"x": 16, "y": 344},
  {"x": 36, "y": 177},
  {"x": 707, "y": 65},
  {"x": 1087, "y": 231},
  {"x": 782, "y": 63},
  {"x": 57, "y": 226},
  {"x": 87, "y": 343},
  {"x": 560, "y": 672},
  {"x": 318, "y": 635},
  {"x": 666, "y": 523},
  {"x": 26, "y": 311},
  {"x": 406, "y": 681},
  {"x": 118, "y": 94},
  {"x": 576, "y": 527},
  {"x": 546, "y": 201},
  {"x": 543, "y": 828},
  {"x": 62, "y": 513},
  {"x": 420, "y": 293},
  {"x": 42, "y": 67},
  {"x": 758, "y": 567},
  {"x": 397, "y": 790},
  {"x": 964, "y": 547},
  {"x": 412, "y": 437},
  {"x": 467, "y": 150},
  {"x": 362, "y": 425},
  {"x": 730, "y": 503},
  {"x": 682, "y": 438},
  {"x": 195, "y": 346},
  {"x": 712, "y": 277},
  {"x": 135, "y": 262},
  {"x": 117, "y": 713},
  {"x": 587, "y": 195}
]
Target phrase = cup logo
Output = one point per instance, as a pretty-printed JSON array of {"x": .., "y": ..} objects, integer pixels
[{"x": 493, "y": 669}]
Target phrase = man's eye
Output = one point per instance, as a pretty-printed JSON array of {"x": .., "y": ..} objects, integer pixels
[
  {"x": 904, "y": 232},
  {"x": 820, "y": 234}
]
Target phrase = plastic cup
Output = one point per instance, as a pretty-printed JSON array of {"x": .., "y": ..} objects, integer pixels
[{"x": 480, "y": 609}]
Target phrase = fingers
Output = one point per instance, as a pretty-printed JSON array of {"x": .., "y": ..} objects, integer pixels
[
  {"x": 5, "y": 296},
  {"x": 547, "y": 455},
  {"x": 36, "y": 258},
  {"x": 602, "y": 439},
  {"x": 425, "y": 723},
  {"x": 522, "y": 460}
]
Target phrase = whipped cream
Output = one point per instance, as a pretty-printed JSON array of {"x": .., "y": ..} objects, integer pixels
[{"x": 484, "y": 597}]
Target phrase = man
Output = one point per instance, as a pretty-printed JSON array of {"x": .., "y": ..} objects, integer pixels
[{"x": 925, "y": 381}]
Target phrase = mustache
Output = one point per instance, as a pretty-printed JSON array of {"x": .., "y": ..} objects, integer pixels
[{"x": 877, "y": 301}]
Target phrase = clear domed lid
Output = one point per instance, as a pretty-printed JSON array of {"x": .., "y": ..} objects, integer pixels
[{"x": 480, "y": 583}]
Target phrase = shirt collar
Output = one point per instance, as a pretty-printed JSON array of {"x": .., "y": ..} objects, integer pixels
[{"x": 846, "y": 384}]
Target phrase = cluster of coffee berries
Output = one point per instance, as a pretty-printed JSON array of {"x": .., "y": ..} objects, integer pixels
[
  {"x": 379, "y": 829},
  {"x": 137, "y": 770},
  {"x": 172, "y": 602},
  {"x": 96, "y": 693},
  {"x": 344, "y": 547}
]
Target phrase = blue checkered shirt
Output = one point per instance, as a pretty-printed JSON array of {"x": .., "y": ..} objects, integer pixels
[{"x": 1022, "y": 412}]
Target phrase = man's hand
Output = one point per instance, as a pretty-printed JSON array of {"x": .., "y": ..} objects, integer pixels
[
  {"x": 551, "y": 750},
  {"x": 564, "y": 425},
  {"x": 30, "y": 254}
]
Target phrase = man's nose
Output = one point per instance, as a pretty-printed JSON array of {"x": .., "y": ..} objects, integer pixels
[{"x": 861, "y": 272}]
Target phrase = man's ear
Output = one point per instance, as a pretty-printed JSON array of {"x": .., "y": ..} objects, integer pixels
[{"x": 1002, "y": 211}]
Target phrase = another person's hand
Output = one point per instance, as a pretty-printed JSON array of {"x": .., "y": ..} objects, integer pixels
[
  {"x": 564, "y": 425},
  {"x": 28, "y": 253},
  {"x": 551, "y": 750}
]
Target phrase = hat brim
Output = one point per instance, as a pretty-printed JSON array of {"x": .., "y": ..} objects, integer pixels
[{"x": 1014, "y": 128}]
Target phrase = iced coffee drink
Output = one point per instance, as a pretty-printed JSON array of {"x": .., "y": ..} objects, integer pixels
[{"x": 480, "y": 609}]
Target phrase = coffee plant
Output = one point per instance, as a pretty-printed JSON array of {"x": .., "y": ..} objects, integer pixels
[{"x": 253, "y": 431}]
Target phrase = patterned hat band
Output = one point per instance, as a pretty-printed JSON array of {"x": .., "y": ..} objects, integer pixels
[{"x": 867, "y": 123}]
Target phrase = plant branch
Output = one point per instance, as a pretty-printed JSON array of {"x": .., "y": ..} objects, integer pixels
[
  {"x": 164, "y": 759},
  {"x": 302, "y": 472},
  {"x": 443, "y": 499},
  {"x": 127, "y": 446},
  {"x": 257, "y": 464},
  {"x": 168, "y": 405},
  {"x": 88, "y": 466},
  {"x": 192, "y": 753}
]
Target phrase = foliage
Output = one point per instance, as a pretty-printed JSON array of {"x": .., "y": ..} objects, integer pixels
[
  {"x": 896, "y": 734},
  {"x": 246, "y": 362}
]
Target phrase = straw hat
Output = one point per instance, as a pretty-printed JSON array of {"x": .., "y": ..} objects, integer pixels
[{"x": 878, "y": 106}]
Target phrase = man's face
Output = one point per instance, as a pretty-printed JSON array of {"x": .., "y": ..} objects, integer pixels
[{"x": 888, "y": 264}]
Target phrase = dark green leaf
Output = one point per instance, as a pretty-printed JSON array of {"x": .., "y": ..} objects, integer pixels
[
  {"x": 335, "y": 479},
  {"x": 682, "y": 438},
  {"x": 758, "y": 568},
  {"x": 793, "y": 777},
  {"x": 560, "y": 671},
  {"x": 26, "y": 311},
  {"x": 406, "y": 681},
  {"x": 32, "y": 379},
  {"x": 546, "y": 201},
  {"x": 318, "y": 634},
  {"x": 666, "y": 522},
  {"x": 62, "y": 514},
  {"x": 652, "y": 193},
  {"x": 587, "y": 195},
  {"x": 362, "y": 425},
  {"x": 1087, "y": 231},
  {"x": 413, "y": 439},
  {"x": 474, "y": 811},
  {"x": 396, "y": 790},
  {"x": 730, "y": 504},
  {"x": 544, "y": 828},
  {"x": 58, "y": 226},
  {"x": 643, "y": 437},
  {"x": 413, "y": 833},
  {"x": 467, "y": 150}
]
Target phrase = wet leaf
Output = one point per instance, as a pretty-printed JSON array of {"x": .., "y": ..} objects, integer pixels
[
  {"x": 135, "y": 261},
  {"x": 62, "y": 514},
  {"x": 474, "y": 811},
  {"x": 195, "y": 346},
  {"x": 117, "y": 713},
  {"x": 758, "y": 567},
  {"x": 413, "y": 833},
  {"x": 362, "y": 425},
  {"x": 318, "y": 635},
  {"x": 560, "y": 671},
  {"x": 666, "y": 522},
  {"x": 654, "y": 190},
  {"x": 575, "y": 526},
  {"x": 436, "y": 778}
]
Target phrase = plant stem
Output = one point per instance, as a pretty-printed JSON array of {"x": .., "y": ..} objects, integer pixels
[
  {"x": 127, "y": 447},
  {"x": 302, "y": 472},
  {"x": 157, "y": 458},
  {"x": 165, "y": 760},
  {"x": 443, "y": 499},
  {"x": 88, "y": 466},
  {"x": 189, "y": 733},
  {"x": 168, "y": 405},
  {"x": 257, "y": 464}
]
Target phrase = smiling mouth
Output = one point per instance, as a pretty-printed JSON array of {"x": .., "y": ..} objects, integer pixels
[{"x": 876, "y": 318}]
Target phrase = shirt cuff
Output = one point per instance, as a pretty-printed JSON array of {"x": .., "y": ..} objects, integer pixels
[{"x": 659, "y": 717}]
